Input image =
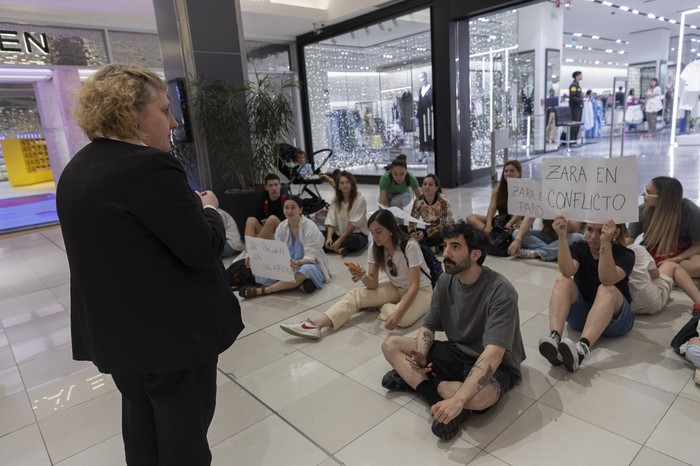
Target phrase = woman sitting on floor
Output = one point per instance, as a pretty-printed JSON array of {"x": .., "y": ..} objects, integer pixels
[
  {"x": 305, "y": 243},
  {"x": 346, "y": 223},
  {"x": 401, "y": 301},
  {"x": 434, "y": 209},
  {"x": 670, "y": 223},
  {"x": 499, "y": 201}
]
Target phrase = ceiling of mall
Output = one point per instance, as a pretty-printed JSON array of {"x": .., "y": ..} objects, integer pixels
[{"x": 283, "y": 20}]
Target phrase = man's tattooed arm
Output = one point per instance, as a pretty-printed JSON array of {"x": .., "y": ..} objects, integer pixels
[{"x": 484, "y": 379}]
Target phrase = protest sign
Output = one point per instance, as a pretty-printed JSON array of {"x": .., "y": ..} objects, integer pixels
[
  {"x": 525, "y": 198},
  {"x": 403, "y": 218},
  {"x": 269, "y": 259},
  {"x": 590, "y": 189}
]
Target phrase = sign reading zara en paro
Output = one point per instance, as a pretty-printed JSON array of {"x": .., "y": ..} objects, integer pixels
[{"x": 23, "y": 42}]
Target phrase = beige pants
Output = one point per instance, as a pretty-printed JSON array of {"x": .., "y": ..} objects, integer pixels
[
  {"x": 387, "y": 296},
  {"x": 551, "y": 131}
]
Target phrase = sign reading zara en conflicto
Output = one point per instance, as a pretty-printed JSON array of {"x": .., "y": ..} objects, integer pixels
[{"x": 23, "y": 42}]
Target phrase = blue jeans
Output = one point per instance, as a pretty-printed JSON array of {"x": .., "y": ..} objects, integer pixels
[
  {"x": 578, "y": 313},
  {"x": 546, "y": 245}
]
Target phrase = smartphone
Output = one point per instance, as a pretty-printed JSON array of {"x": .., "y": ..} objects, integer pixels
[{"x": 416, "y": 363}]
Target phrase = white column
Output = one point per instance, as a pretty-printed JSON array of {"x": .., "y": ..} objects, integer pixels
[
  {"x": 540, "y": 27},
  {"x": 55, "y": 100}
]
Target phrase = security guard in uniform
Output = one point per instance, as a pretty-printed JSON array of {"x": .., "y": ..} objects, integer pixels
[{"x": 575, "y": 103}]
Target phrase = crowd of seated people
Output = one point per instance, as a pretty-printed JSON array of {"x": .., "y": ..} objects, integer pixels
[{"x": 605, "y": 280}]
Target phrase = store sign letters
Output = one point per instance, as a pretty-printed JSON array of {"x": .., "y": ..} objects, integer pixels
[
  {"x": 588, "y": 189},
  {"x": 23, "y": 42}
]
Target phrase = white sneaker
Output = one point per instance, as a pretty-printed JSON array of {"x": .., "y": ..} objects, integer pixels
[{"x": 305, "y": 329}]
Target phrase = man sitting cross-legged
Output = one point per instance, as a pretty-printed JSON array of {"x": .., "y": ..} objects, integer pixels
[{"x": 477, "y": 308}]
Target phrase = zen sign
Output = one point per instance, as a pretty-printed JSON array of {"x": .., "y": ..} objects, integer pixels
[{"x": 23, "y": 42}]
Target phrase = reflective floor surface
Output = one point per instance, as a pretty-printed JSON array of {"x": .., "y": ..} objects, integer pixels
[{"x": 287, "y": 401}]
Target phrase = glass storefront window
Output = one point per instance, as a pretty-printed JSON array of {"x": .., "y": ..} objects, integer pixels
[
  {"x": 494, "y": 83},
  {"x": 370, "y": 95}
]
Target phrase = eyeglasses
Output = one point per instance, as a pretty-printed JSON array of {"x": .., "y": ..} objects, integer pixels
[
  {"x": 392, "y": 267},
  {"x": 648, "y": 194}
]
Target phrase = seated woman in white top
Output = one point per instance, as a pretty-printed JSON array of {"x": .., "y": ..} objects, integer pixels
[
  {"x": 401, "y": 301},
  {"x": 346, "y": 223},
  {"x": 650, "y": 286},
  {"x": 305, "y": 243}
]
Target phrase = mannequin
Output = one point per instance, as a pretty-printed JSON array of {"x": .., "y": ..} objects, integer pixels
[{"x": 424, "y": 114}]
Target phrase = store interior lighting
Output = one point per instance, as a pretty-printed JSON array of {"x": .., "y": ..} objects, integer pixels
[{"x": 637, "y": 12}]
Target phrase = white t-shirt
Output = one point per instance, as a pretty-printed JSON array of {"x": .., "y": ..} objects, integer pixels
[
  {"x": 646, "y": 298},
  {"x": 415, "y": 258},
  {"x": 341, "y": 218}
]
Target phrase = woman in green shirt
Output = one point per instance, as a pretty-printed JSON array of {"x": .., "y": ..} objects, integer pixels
[{"x": 396, "y": 184}]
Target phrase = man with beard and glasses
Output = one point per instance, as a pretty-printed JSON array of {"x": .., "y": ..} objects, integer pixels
[{"x": 477, "y": 308}]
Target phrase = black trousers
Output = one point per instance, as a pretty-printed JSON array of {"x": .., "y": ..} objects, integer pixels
[
  {"x": 353, "y": 242},
  {"x": 576, "y": 113},
  {"x": 165, "y": 417}
]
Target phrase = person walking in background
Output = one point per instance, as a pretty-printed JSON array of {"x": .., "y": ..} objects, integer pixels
[
  {"x": 150, "y": 303},
  {"x": 652, "y": 105},
  {"x": 575, "y": 103}
]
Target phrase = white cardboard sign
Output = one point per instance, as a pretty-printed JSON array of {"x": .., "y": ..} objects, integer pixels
[
  {"x": 269, "y": 259},
  {"x": 587, "y": 189}
]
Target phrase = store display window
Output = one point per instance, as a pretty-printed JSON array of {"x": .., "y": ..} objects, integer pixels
[{"x": 370, "y": 95}]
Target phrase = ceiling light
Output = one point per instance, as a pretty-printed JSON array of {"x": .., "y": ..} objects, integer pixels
[
  {"x": 595, "y": 37},
  {"x": 661, "y": 18},
  {"x": 673, "y": 21},
  {"x": 606, "y": 3},
  {"x": 651, "y": 16},
  {"x": 635, "y": 12},
  {"x": 577, "y": 34},
  {"x": 608, "y": 50},
  {"x": 624, "y": 8},
  {"x": 618, "y": 41}
]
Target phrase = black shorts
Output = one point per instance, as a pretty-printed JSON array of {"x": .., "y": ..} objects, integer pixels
[{"x": 451, "y": 364}]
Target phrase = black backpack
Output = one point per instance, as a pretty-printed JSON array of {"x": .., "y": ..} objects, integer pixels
[
  {"x": 430, "y": 259},
  {"x": 689, "y": 330}
]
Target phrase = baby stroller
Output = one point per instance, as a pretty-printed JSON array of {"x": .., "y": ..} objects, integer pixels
[{"x": 306, "y": 183}]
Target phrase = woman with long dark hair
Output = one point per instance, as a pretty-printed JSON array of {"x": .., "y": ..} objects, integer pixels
[
  {"x": 499, "y": 201},
  {"x": 401, "y": 301},
  {"x": 670, "y": 223},
  {"x": 396, "y": 184},
  {"x": 305, "y": 243},
  {"x": 433, "y": 208},
  {"x": 346, "y": 223}
]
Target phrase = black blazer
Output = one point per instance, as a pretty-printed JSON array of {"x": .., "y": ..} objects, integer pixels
[{"x": 148, "y": 291}]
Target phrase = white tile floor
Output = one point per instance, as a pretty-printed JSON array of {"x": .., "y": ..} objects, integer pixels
[{"x": 288, "y": 401}]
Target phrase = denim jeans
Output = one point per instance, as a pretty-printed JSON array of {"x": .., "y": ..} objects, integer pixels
[{"x": 546, "y": 245}]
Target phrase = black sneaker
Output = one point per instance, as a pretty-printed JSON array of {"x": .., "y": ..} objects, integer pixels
[
  {"x": 449, "y": 430},
  {"x": 393, "y": 382},
  {"x": 549, "y": 349}
]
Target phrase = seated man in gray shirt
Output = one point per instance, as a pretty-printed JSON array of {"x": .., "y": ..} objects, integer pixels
[{"x": 477, "y": 308}]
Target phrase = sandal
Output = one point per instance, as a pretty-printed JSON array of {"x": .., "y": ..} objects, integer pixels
[{"x": 251, "y": 291}]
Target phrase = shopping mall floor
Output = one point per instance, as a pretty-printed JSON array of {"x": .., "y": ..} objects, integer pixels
[{"x": 288, "y": 401}]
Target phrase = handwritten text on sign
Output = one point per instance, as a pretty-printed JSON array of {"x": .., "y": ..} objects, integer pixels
[
  {"x": 269, "y": 259},
  {"x": 580, "y": 188}
]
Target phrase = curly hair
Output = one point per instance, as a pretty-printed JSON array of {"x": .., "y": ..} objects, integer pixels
[{"x": 109, "y": 101}]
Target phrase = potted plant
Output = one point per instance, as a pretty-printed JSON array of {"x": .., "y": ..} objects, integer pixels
[{"x": 243, "y": 125}]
